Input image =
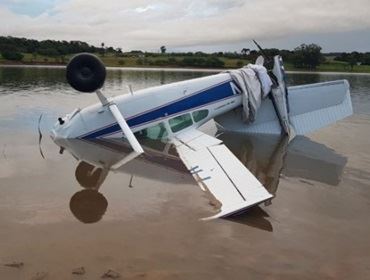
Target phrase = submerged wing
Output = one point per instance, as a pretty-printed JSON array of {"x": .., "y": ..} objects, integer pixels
[{"x": 215, "y": 168}]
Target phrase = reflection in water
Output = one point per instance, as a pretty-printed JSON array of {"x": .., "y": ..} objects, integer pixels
[
  {"x": 13, "y": 79},
  {"x": 88, "y": 205},
  {"x": 52, "y": 79},
  {"x": 266, "y": 156},
  {"x": 263, "y": 155},
  {"x": 269, "y": 156},
  {"x": 313, "y": 161},
  {"x": 256, "y": 217},
  {"x": 98, "y": 157}
]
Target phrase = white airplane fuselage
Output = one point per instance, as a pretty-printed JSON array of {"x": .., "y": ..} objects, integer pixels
[{"x": 146, "y": 108}]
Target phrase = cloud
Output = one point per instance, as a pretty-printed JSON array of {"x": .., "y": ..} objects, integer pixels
[
  {"x": 144, "y": 24},
  {"x": 144, "y": 9}
]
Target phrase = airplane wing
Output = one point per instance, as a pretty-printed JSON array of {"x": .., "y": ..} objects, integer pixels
[{"x": 217, "y": 170}]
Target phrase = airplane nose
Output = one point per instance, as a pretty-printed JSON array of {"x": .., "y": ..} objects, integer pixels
[
  {"x": 53, "y": 135},
  {"x": 59, "y": 130},
  {"x": 69, "y": 126}
]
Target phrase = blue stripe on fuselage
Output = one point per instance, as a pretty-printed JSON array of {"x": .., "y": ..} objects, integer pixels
[{"x": 202, "y": 98}]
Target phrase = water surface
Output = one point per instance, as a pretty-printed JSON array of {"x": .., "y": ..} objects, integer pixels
[{"x": 68, "y": 209}]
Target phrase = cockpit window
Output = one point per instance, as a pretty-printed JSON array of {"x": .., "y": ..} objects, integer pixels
[
  {"x": 200, "y": 115},
  {"x": 180, "y": 122},
  {"x": 156, "y": 132},
  {"x": 153, "y": 137}
]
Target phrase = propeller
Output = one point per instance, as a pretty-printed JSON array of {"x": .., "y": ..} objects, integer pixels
[
  {"x": 86, "y": 73},
  {"x": 277, "y": 74}
]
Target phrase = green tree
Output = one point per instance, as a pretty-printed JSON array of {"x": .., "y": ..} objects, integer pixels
[
  {"x": 23, "y": 45},
  {"x": 172, "y": 61},
  {"x": 102, "y": 50},
  {"x": 308, "y": 56},
  {"x": 214, "y": 62},
  {"x": 352, "y": 60},
  {"x": 163, "y": 49},
  {"x": 12, "y": 55},
  {"x": 48, "y": 52},
  {"x": 119, "y": 52},
  {"x": 245, "y": 51}
]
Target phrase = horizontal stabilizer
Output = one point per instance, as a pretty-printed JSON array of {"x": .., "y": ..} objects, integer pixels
[
  {"x": 311, "y": 107},
  {"x": 315, "y": 106}
]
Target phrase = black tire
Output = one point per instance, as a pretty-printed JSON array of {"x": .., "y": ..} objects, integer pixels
[
  {"x": 86, "y": 177},
  {"x": 86, "y": 72}
]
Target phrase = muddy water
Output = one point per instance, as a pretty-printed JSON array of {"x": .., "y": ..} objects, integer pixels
[{"x": 142, "y": 220}]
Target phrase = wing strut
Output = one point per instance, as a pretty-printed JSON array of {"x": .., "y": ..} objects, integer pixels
[{"x": 121, "y": 122}]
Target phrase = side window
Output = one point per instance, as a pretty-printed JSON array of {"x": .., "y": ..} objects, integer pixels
[
  {"x": 200, "y": 115},
  {"x": 156, "y": 132},
  {"x": 180, "y": 122},
  {"x": 151, "y": 136}
]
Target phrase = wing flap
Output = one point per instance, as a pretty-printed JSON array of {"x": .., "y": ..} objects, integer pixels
[
  {"x": 210, "y": 175},
  {"x": 196, "y": 139},
  {"x": 217, "y": 170}
]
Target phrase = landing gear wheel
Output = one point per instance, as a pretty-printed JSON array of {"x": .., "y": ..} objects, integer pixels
[{"x": 86, "y": 72}]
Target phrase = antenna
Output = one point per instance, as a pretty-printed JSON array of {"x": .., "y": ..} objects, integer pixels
[
  {"x": 260, "y": 48},
  {"x": 269, "y": 60},
  {"x": 269, "y": 63}
]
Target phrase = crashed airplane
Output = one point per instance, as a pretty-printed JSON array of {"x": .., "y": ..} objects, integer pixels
[{"x": 252, "y": 99}]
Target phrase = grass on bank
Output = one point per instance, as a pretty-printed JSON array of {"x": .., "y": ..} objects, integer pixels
[{"x": 175, "y": 61}]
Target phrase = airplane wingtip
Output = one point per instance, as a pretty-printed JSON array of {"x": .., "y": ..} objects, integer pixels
[{"x": 237, "y": 209}]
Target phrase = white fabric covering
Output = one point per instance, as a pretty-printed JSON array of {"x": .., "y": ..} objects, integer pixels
[
  {"x": 264, "y": 78},
  {"x": 255, "y": 84}
]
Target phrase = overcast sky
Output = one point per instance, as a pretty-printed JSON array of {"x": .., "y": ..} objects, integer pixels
[{"x": 182, "y": 25}]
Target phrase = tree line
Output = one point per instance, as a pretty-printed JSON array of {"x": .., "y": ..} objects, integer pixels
[
  {"x": 305, "y": 56},
  {"x": 187, "y": 61},
  {"x": 12, "y": 48},
  {"x": 354, "y": 58}
]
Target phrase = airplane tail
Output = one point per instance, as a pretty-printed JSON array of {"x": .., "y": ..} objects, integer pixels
[
  {"x": 311, "y": 107},
  {"x": 318, "y": 105}
]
